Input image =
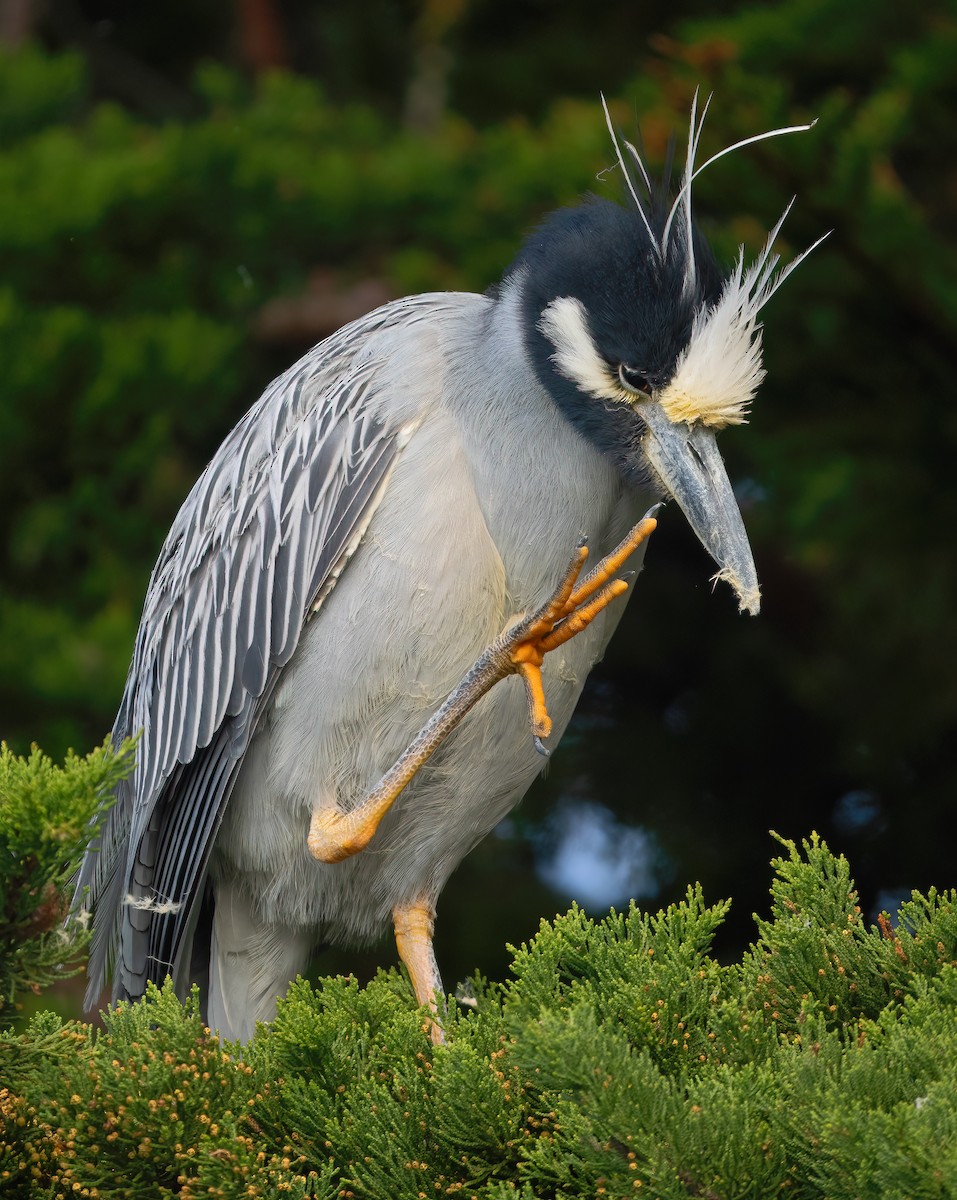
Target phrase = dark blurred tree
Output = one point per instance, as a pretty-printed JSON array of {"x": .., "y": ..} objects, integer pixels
[
  {"x": 484, "y": 61},
  {"x": 841, "y": 710}
]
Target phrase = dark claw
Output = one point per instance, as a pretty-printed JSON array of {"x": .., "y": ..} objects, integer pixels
[
  {"x": 542, "y": 749},
  {"x": 582, "y": 542}
]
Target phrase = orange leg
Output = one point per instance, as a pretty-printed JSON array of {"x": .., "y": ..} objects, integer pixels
[
  {"x": 413, "y": 936},
  {"x": 521, "y": 649}
]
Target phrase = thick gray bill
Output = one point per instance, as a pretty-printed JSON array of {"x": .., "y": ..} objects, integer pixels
[{"x": 691, "y": 470}]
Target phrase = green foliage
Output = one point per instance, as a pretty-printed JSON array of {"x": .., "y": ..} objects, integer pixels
[
  {"x": 38, "y": 90},
  {"x": 45, "y": 817},
  {"x": 620, "y": 1060},
  {"x": 151, "y": 1106},
  {"x": 659, "y": 985}
]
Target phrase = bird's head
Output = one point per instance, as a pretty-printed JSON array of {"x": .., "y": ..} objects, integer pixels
[{"x": 649, "y": 348}]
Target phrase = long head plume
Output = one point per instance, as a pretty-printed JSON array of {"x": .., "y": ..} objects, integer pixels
[{"x": 720, "y": 369}]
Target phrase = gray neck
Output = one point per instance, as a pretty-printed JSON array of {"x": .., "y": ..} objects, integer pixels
[{"x": 541, "y": 485}]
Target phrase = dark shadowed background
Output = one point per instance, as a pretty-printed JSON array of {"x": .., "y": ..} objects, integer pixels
[{"x": 191, "y": 194}]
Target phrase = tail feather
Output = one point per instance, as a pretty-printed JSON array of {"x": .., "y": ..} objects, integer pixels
[{"x": 99, "y": 890}]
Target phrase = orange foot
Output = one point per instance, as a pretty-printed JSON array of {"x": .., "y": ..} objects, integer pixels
[
  {"x": 567, "y": 612},
  {"x": 521, "y": 649}
]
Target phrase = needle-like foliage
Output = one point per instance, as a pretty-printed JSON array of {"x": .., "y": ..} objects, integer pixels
[
  {"x": 621, "y": 1059},
  {"x": 45, "y": 815}
]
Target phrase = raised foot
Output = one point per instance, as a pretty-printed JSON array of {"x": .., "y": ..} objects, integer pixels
[
  {"x": 335, "y": 834},
  {"x": 571, "y": 608}
]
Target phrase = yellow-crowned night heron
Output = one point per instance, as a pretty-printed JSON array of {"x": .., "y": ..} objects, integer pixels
[{"x": 410, "y": 489}]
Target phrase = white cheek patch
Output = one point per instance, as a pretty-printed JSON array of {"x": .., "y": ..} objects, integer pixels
[{"x": 564, "y": 324}]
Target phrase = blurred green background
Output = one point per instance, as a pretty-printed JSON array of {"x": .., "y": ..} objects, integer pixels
[{"x": 191, "y": 194}]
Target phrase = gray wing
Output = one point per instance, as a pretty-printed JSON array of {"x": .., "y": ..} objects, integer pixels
[{"x": 259, "y": 542}]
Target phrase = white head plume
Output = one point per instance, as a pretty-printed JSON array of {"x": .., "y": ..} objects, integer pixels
[
  {"x": 720, "y": 369},
  {"x": 718, "y": 372}
]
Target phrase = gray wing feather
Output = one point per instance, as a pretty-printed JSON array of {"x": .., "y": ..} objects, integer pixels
[{"x": 265, "y": 531}]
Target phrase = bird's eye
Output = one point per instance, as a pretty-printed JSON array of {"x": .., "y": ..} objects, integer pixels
[{"x": 633, "y": 380}]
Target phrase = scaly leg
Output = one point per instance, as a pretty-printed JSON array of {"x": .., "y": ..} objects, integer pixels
[
  {"x": 521, "y": 649},
  {"x": 413, "y": 936}
]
